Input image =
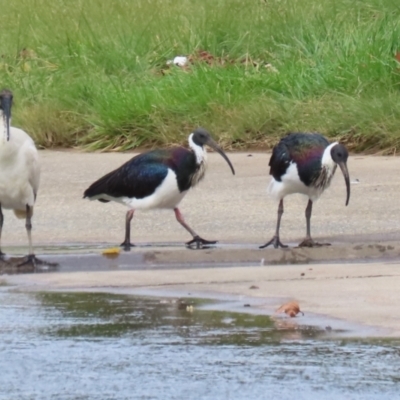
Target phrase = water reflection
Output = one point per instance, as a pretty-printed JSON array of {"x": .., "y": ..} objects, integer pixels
[
  {"x": 109, "y": 315},
  {"x": 87, "y": 345}
]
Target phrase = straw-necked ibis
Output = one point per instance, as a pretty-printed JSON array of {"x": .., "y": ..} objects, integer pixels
[
  {"x": 158, "y": 179},
  {"x": 304, "y": 163}
]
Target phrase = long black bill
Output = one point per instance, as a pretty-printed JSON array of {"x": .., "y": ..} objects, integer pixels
[
  {"x": 214, "y": 146},
  {"x": 343, "y": 167},
  {"x": 6, "y": 106}
]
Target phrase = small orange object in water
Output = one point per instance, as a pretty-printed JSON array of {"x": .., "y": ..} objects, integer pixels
[
  {"x": 292, "y": 309},
  {"x": 112, "y": 252}
]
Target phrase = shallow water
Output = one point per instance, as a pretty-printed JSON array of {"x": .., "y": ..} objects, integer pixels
[{"x": 108, "y": 346}]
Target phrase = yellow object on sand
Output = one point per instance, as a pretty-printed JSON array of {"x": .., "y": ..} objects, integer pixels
[{"x": 113, "y": 251}]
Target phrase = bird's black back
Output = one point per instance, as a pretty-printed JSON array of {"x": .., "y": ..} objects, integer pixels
[
  {"x": 141, "y": 175},
  {"x": 303, "y": 149}
]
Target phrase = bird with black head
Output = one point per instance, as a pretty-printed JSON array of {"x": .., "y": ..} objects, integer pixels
[
  {"x": 304, "y": 163},
  {"x": 158, "y": 179}
]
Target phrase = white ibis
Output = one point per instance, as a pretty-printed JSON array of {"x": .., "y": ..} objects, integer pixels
[
  {"x": 19, "y": 172},
  {"x": 158, "y": 179},
  {"x": 304, "y": 163}
]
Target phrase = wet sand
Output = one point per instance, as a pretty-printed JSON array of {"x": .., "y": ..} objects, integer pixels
[
  {"x": 355, "y": 279},
  {"x": 365, "y": 293}
]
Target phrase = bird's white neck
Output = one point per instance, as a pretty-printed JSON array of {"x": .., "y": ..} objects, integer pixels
[
  {"x": 327, "y": 161},
  {"x": 328, "y": 167},
  {"x": 199, "y": 151}
]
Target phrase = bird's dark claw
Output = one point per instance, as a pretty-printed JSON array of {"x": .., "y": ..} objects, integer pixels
[
  {"x": 308, "y": 242},
  {"x": 127, "y": 245},
  {"x": 200, "y": 243},
  {"x": 33, "y": 261},
  {"x": 275, "y": 242}
]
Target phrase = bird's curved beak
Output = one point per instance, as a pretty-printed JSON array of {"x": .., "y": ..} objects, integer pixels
[
  {"x": 345, "y": 172},
  {"x": 215, "y": 146},
  {"x": 6, "y": 106}
]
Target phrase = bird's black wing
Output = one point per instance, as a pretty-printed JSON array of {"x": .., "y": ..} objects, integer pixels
[
  {"x": 279, "y": 161},
  {"x": 304, "y": 149},
  {"x": 137, "y": 178}
]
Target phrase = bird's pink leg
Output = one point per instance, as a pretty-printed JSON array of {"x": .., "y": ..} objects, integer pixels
[{"x": 197, "y": 240}]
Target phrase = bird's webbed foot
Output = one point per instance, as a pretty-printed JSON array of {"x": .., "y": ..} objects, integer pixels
[
  {"x": 275, "y": 241},
  {"x": 32, "y": 261},
  {"x": 200, "y": 243},
  {"x": 126, "y": 244},
  {"x": 309, "y": 242}
]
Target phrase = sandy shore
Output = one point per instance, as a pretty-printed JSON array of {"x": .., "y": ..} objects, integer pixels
[
  {"x": 231, "y": 209},
  {"x": 362, "y": 293},
  {"x": 236, "y": 211}
]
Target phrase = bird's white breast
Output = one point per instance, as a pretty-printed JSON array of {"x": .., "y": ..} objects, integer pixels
[
  {"x": 19, "y": 171},
  {"x": 291, "y": 183}
]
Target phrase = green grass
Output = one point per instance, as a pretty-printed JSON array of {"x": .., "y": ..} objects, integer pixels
[{"x": 89, "y": 72}]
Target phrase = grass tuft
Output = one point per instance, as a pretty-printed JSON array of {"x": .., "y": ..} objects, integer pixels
[{"x": 93, "y": 74}]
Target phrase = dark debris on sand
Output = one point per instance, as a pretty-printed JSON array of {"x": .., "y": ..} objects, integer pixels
[{"x": 22, "y": 265}]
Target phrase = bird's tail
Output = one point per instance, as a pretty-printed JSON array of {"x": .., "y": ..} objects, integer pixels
[
  {"x": 99, "y": 187},
  {"x": 21, "y": 214}
]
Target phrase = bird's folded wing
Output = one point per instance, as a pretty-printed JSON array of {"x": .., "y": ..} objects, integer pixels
[
  {"x": 279, "y": 161},
  {"x": 133, "y": 180}
]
